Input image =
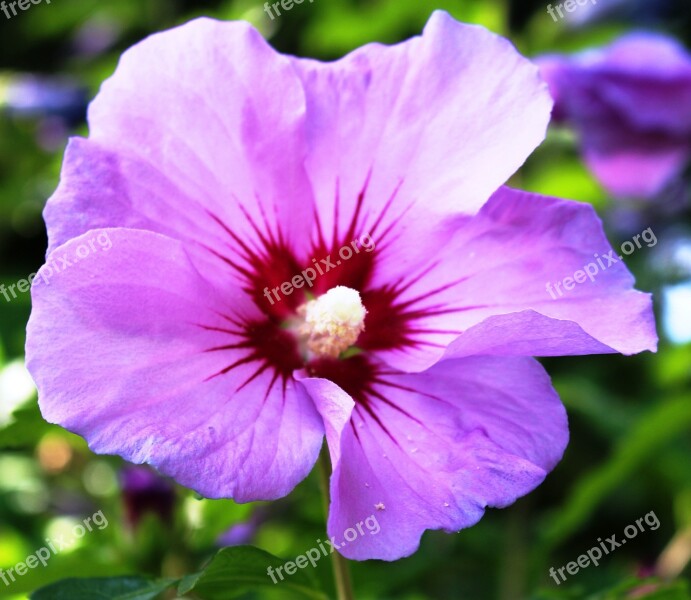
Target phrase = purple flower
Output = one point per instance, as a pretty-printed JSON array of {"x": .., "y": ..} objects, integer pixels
[
  {"x": 222, "y": 336},
  {"x": 239, "y": 534},
  {"x": 144, "y": 491},
  {"x": 630, "y": 103}
]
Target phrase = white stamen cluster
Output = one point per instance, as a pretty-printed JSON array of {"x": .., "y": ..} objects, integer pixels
[{"x": 334, "y": 321}]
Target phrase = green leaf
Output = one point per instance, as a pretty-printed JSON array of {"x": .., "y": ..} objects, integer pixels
[
  {"x": 26, "y": 428},
  {"x": 650, "y": 589},
  {"x": 652, "y": 432},
  {"x": 235, "y": 570},
  {"x": 641, "y": 589},
  {"x": 112, "y": 588}
]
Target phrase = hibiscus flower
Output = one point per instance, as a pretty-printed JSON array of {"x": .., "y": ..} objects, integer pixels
[
  {"x": 630, "y": 104},
  {"x": 221, "y": 169}
]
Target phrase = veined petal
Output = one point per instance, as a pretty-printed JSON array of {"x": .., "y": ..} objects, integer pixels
[
  {"x": 189, "y": 132},
  {"x": 428, "y": 127},
  {"x": 487, "y": 290},
  {"x": 134, "y": 350},
  {"x": 432, "y": 450}
]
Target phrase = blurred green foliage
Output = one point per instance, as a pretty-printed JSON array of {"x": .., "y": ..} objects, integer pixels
[{"x": 630, "y": 417}]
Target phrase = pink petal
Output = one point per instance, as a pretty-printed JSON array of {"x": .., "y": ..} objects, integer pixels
[
  {"x": 642, "y": 169},
  {"x": 119, "y": 345},
  {"x": 196, "y": 123},
  {"x": 485, "y": 291},
  {"x": 437, "y": 448},
  {"x": 439, "y": 122}
]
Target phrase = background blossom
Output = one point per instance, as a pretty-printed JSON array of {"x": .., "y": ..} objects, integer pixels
[{"x": 630, "y": 104}]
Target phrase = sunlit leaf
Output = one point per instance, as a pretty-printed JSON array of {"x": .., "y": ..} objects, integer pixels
[{"x": 655, "y": 429}]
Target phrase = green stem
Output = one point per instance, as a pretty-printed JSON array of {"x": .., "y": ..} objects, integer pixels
[{"x": 344, "y": 586}]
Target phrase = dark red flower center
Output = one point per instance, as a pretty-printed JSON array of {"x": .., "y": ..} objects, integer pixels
[{"x": 276, "y": 280}]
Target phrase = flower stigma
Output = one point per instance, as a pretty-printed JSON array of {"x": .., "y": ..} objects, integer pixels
[{"x": 333, "y": 321}]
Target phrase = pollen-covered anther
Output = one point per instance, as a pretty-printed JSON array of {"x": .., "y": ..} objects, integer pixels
[{"x": 334, "y": 321}]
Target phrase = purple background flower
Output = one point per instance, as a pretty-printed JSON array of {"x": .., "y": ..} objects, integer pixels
[{"x": 630, "y": 104}]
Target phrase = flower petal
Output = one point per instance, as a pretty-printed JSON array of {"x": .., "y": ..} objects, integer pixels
[
  {"x": 124, "y": 349},
  {"x": 439, "y": 122},
  {"x": 640, "y": 169},
  {"x": 486, "y": 290},
  {"x": 190, "y": 131},
  {"x": 436, "y": 448}
]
